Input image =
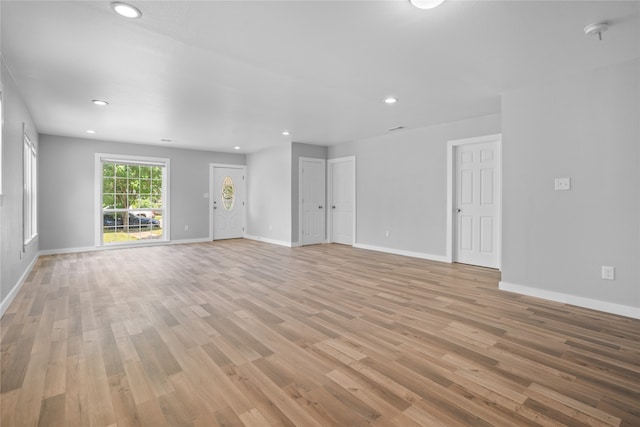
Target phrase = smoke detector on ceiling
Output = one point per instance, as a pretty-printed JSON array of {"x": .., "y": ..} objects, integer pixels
[{"x": 596, "y": 29}]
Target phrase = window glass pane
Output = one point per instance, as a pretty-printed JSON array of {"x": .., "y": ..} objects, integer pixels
[
  {"x": 145, "y": 186},
  {"x": 121, "y": 185},
  {"x": 133, "y": 171},
  {"x": 108, "y": 169},
  {"x": 108, "y": 185},
  {"x": 136, "y": 191},
  {"x": 107, "y": 200},
  {"x": 145, "y": 172},
  {"x": 156, "y": 172},
  {"x": 121, "y": 201},
  {"x": 133, "y": 186},
  {"x": 228, "y": 193}
]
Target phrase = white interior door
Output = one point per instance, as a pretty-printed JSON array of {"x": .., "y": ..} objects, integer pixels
[
  {"x": 342, "y": 200},
  {"x": 227, "y": 201},
  {"x": 312, "y": 201},
  {"x": 477, "y": 204}
]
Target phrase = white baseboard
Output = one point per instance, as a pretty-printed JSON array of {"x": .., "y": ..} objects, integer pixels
[
  {"x": 184, "y": 241},
  {"x": 607, "y": 307},
  {"x": 6, "y": 302},
  {"x": 272, "y": 241},
  {"x": 122, "y": 246},
  {"x": 421, "y": 255}
]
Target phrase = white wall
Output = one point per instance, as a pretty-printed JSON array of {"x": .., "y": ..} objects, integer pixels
[
  {"x": 269, "y": 195},
  {"x": 67, "y": 190},
  {"x": 402, "y": 185},
  {"x": 586, "y": 128},
  {"x": 14, "y": 262}
]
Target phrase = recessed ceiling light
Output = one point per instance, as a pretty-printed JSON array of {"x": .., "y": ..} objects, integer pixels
[
  {"x": 391, "y": 100},
  {"x": 426, "y": 4},
  {"x": 236, "y": 148},
  {"x": 91, "y": 131},
  {"x": 286, "y": 133},
  {"x": 100, "y": 102},
  {"x": 126, "y": 10}
]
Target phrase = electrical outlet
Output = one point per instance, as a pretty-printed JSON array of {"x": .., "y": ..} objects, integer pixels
[
  {"x": 608, "y": 272},
  {"x": 386, "y": 233},
  {"x": 186, "y": 228}
]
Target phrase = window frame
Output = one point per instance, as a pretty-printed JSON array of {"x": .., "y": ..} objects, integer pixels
[
  {"x": 29, "y": 188},
  {"x": 165, "y": 163}
]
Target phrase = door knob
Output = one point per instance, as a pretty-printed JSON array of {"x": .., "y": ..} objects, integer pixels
[
  {"x": 333, "y": 207},
  {"x": 319, "y": 207},
  {"x": 458, "y": 210}
]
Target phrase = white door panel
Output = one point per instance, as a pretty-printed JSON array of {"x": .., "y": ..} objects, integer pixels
[
  {"x": 312, "y": 201},
  {"x": 342, "y": 203},
  {"x": 476, "y": 204},
  {"x": 228, "y": 203}
]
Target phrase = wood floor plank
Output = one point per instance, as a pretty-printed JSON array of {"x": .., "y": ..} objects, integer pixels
[{"x": 242, "y": 333}]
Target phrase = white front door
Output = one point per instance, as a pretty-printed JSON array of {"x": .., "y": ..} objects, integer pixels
[
  {"x": 227, "y": 202},
  {"x": 342, "y": 200},
  {"x": 477, "y": 203},
  {"x": 312, "y": 201}
]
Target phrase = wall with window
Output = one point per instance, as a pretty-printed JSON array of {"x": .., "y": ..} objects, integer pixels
[
  {"x": 16, "y": 256},
  {"x": 68, "y": 199}
]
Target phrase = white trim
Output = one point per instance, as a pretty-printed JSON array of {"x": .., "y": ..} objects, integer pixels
[
  {"x": 122, "y": 246},
  {"x": 450, "y": 190},
  {"x": 272, "y": 241},
  {"x": 212, "y": 167},
  {"x": 300, "y": 208},
  {"x": 166, "y": 197},
  {"x": 330, "y": 197},
  {"x": 593, "y": 304},
  {"x": 421, "y": 255},
  {"x": 8, "y": 299}
]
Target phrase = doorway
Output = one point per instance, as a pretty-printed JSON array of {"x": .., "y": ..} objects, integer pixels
[
  {"x": 474, "y": 219},
  {"x": 312, "y": 201},
  {"x": 226, "y": 201}
]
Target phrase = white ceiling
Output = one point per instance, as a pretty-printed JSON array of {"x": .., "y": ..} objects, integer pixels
[{"x": 216, "y": 74}]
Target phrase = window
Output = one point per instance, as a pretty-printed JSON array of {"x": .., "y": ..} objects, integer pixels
[
  {"x": 133, "y": 199},
  {"x": 30, "y": 191},
  {"x": 228, "y": 193}
]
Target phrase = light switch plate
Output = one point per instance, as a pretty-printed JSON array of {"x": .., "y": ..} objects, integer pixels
[
  {"x": 608, "y": 272},
  {"x": 563, "y": 184}
]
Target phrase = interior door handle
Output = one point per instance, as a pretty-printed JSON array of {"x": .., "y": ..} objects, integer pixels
[
  {"x": 333, "y": 207},
  {"x": 458, "y": 210}
]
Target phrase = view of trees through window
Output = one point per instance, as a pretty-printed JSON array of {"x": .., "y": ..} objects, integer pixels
[{"x": 132, "y": 205}]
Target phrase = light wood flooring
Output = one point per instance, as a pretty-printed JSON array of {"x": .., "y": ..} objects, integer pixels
[{"x": 239, "y": 332}]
